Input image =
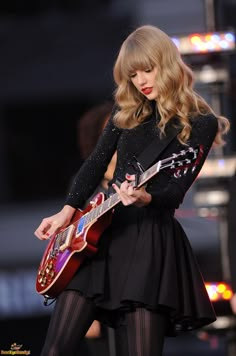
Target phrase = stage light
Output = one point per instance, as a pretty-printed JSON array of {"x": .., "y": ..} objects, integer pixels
[
  {"x": 205, "y": 42},
  {"x": 219, "y": 291}
]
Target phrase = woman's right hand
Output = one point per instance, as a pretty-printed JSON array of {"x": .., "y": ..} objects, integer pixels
[{"x": 53, "y": 223}]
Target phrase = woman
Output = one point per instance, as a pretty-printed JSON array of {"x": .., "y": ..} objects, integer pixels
[{"x": 144, "y": 280}]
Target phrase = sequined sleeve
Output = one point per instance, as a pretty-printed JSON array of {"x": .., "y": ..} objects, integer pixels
[
  {"x": 92, "y": 171},
  {"x": 169, "y": 187}
]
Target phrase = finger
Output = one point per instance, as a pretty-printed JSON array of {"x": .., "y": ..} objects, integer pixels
[
  {"x": 130, "y": 190},
  {"x": 42, "y": 234},
  {"x": 130, "y": 177},
  {"x": 46, "y": 229},
  {"x": 124, "y": 186},
  {"x": 122, "y": 191},
  {"x": 53, "y": 230},
  {"x": 41, "y": 230},
  {"x": 116, "y": 188},
  {"x": 45, "y": 236}
]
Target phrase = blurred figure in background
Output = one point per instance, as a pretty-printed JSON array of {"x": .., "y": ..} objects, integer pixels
[
  {"x": 90, "y": 128},
  {"x": 91, "y": 125},
  {"x": 144, "y": 280}
]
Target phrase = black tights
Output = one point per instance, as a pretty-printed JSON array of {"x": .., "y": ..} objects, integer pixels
[{"x": 143, "y": 334}]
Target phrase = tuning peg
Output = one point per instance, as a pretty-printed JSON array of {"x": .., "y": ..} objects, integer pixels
[{"x": 177, "y": 174}]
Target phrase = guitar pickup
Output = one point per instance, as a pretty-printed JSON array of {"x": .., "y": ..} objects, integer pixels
[{"x": 66, "y": 237}]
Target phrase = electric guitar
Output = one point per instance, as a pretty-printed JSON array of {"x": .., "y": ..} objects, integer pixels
[{"x": 68, "y": 248}]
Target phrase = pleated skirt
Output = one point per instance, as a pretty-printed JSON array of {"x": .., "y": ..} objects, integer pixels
[{"x": 145, "y": 260}]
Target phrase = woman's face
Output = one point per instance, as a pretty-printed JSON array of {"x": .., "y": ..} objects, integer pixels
[{"x": 145, "y": 81}]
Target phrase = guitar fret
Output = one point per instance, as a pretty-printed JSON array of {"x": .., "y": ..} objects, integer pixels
[
  {"x": 85, "y": 219},
  {"x": 148, "y": 174},
  {"x": 106, "y": 205},
  {"x": 93, "y": 215}
]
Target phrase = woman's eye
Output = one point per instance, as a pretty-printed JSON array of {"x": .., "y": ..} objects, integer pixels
[
  {"x": 132, "y": 75},
  {"x": 148, "y": 70}
]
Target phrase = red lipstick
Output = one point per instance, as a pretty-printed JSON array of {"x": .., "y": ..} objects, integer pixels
[{"x": 147, "y": 91}]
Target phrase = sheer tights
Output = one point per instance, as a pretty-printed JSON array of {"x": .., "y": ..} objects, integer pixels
[
  {"x": 71, "y": 318},
  {"x": 142, "y": 334}
]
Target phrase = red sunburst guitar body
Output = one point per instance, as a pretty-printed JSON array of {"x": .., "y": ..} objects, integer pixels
[{"x": 67, "y": 250}]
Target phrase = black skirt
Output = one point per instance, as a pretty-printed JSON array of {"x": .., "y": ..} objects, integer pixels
[{"x": 145, "y": 260}]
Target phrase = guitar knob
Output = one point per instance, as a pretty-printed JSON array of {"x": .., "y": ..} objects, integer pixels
[
  {"x": 45, "y": 280},
  {"x": 52, "y": 273},
  {"x": 49, "y": 267},
  {"x": 42, "y": 273}
]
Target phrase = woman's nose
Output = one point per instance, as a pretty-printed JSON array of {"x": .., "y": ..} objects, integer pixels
[{"x": 141, "y": 79}]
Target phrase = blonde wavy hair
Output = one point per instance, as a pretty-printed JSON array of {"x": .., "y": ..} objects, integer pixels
[{"x": 145, "y": 48}]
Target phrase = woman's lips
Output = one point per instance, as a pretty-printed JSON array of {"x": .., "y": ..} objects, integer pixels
[{"x": 147, "y": 91}]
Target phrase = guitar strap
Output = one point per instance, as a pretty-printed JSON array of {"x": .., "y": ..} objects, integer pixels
[
  {"x": 155, "y": 149},
  {"x": 151, "y": 153}
]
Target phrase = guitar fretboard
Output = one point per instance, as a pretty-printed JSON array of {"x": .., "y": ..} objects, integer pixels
[{"x": 95, "y": 213}]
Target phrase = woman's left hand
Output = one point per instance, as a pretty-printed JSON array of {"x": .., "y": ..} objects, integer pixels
[{"x": 130, "y": 195}]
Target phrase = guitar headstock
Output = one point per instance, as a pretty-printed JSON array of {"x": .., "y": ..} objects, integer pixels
[
  {"x": 183, "y": 161},
  {"x": 179, "y": 162}
]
